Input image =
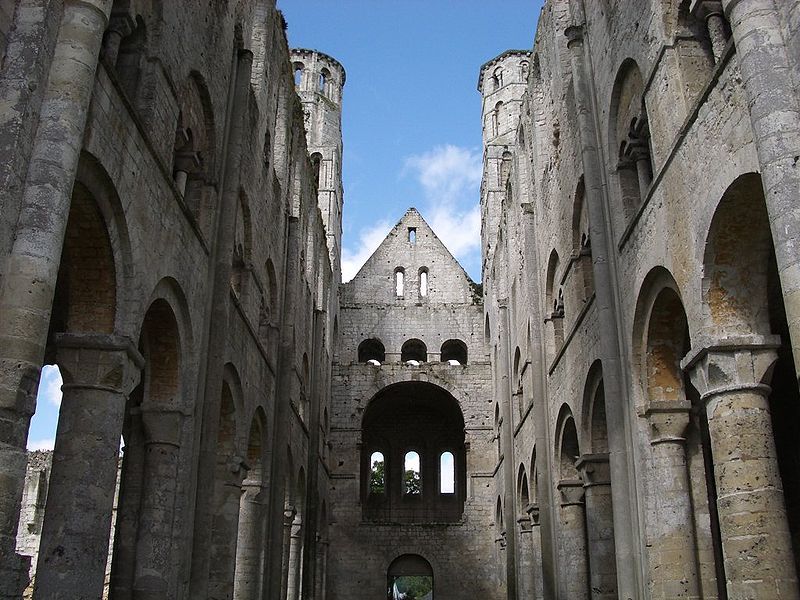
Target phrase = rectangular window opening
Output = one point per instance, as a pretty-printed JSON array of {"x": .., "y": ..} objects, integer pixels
[{"x": 412, "y": 235}]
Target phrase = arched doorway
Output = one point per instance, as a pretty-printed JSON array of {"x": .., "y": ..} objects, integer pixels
[{"x": 409, "y": 577}]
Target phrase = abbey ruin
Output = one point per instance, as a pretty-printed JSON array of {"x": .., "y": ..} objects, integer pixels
[{"x": 612, "y": 413}]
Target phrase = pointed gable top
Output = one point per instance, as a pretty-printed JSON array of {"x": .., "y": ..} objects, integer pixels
[{"x": 410, "y": 266}]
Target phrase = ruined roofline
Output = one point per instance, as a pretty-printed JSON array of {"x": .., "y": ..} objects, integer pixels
[
  {"x": 327, "y": 57},
  {"x": 496, "y": 60}
]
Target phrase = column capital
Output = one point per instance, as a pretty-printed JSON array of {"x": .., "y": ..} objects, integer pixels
[
  {"x": 525, "y": 525},
  {"x": 703, "y": 9},
  {"x": 533, "y": 513},
  {"x": 594, "y": 469},
  {"x": 571, "y": 491},
  {"x": 574, "y": 35},
  {"x": 99, "y": 361},
  {"x": 668, "y": 422},
  {"x": 733, "y": 364}
]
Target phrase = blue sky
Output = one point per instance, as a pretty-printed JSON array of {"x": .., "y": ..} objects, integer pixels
[
  {"x": 411, "y": 114},
  {"x": 412, "y": 127}
]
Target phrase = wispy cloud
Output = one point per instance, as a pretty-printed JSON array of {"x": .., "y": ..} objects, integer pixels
[
  {"x": 450, "y": 177},
  {"x": 50, "y": 386},
  {"x": 368, "y": 241}
]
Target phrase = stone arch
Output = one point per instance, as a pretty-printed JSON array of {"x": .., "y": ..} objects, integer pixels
[
  {"x": 242, "y": 257},
  {"x": 151, "y": 431},
  {"x": 594, "y": 411},
  {"x": 554, "y": 306},
  {"x": 414, "y": 349},
  {"x": 371, "y": 349},
  {"x": 737, "y": 251},
  {"x": 567, "y": 444},
  {"x": 660, "y": 335},
  {"x": 409, "y": 566},
  {"x": 454, "y": 350},
  {"x": 523, "y": 491},
  {"x": 420, "y": 417},
  {"x": 629, "y": 139}
]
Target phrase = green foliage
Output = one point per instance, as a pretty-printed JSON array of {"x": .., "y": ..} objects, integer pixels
[
  {"x": 414, "y": 586},
  {"x": 412, "y": 481},
  {"x": 377, "y": 478}
]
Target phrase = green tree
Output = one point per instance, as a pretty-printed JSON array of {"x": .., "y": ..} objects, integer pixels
[
  {"x": 413, "y": 482},
  {"x": 377, "y": 478}
]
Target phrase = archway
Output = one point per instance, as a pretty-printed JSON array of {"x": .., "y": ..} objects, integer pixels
[
  {"x": 409, "y": 577},
  {"x": 417, "y": 428}
]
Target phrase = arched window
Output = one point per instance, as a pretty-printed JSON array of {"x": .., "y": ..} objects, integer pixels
[
  {"x": 414, "y": 350},
  {"x": 497, "y": 78},
  {"x": 497, "y": 119},
  {"x": 454, "y": 352},
  {"x": 298, "y": 73},
  {"x": 423, "y": 282},
  {"x": 324, "y": 76},
  {"x": 412, "y": 479},
  {"x": 399, "y": 281},
  {"x": 371, "y": 351},
  {"x": 447, "y": 473},
  {"x": 377, "y": 473}
]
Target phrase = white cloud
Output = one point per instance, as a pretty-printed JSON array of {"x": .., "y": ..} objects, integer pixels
[
  {"x": 50, "y": 386},
  {"x": 368, "y": 241},
  {"x": 450, "y": 177},
  {"x": 45, "y": 444}
]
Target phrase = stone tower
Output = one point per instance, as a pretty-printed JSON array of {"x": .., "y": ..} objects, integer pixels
[
  {"x": 319, "y": 80},
  {"x": 502, "y": 83}
]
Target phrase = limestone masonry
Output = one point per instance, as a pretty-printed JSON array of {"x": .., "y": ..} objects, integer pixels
[{"x": 612, "y": 413}]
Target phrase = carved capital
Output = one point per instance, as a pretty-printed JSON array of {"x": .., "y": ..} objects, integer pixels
[
  {"x": 98, "y": 361},
  {"x": 668, "y": 422},
  {"x": 571, "y": 492},
  {"x": 525, "y": 525},
  {"x": 594, "y": 469},
  {"x": 533, "y": 513},
  {"x": 574, "y": 35},
  {"x": 703, "y": 9},
  {"x": 731, "y": 365}
]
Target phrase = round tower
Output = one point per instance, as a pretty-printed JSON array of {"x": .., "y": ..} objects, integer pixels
[
  {"x": 319, "y": 80},
  {"x": 502, "y": 83}
]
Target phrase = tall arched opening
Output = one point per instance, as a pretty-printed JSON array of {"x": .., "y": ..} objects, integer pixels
[
  {"x": 417, "y": 428},
  {"x": 409, "y": 577}
]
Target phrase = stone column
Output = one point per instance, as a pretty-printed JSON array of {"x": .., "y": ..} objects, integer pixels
[
  {"x": 525, "y": 558},
  {"x": 31, "y": 269},
  {"x": 595, "y": 471},
  {"x": 536, "y": 551},
  {"x": 322, "y": 568},
  {"x": 710, "y": 11},
  {"x": 620, "y": 442},
  {"x": 574, "y": 570},
  {"x": 157, "y": 509},
  {"x": 99, "y": 372},
  {"x": 288, "y": 519},
  {"x": 249, "y": 557},
  {"x": 231, "y": 471},
  {"x": 119, "y": 27},
  {"x": 756, "y": 546},
  {"x": 766, "y": 72},
  {"x": 671, "y": 534},
  {"x": 295, "y": 559}
]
